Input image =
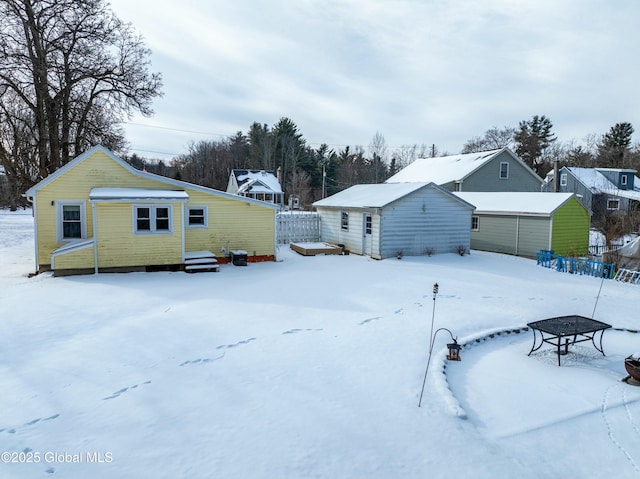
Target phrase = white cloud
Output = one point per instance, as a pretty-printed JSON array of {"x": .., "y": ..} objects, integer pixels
[{"x": 418, "y": 72}]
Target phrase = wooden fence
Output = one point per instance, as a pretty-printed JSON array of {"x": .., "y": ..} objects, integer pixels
[{"x": 297, "y": 227}]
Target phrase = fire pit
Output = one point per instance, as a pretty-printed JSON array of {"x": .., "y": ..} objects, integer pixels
[{"x": 632, "y": 365}]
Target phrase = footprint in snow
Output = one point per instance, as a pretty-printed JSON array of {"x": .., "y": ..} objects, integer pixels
[
  {"x": 123, "y": 390},
  {"x": 369, "y": 320},
  {"x": 293, "y": 331},
  {"x": 202, "y": 361},
  {"x": 235, "y": 345}
]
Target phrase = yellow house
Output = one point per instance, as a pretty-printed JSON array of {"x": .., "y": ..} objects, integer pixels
[{"x": 99, "y": 214}]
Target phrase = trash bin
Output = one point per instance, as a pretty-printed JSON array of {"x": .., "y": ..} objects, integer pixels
[{"x": 238, "y": 257}]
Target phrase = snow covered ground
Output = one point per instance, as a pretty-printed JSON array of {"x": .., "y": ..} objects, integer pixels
[{"x": 309, "y": 367}]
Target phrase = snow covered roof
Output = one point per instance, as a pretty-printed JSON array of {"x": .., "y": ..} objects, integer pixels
[
  {"x": 443, "y": 169},
  {"x": 372, "y": 195},
  {"x": 260, "y": 181},
  {"x": 33, "y": 191},
  {"x": 592, "y": 179},
  {"x": 515, "y": 202},
  {"x": 116, "y": 194}
]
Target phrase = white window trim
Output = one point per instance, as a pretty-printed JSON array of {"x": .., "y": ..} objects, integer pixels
[
  {"x": 83, "y": 220},
  {"x": 623, "y": 180},
  {"x": 613, "y": 200},
  {"x": 563, "y": 179},
  {"x": 477, "y": 221},
  {"x": 206, "y": 216},
  {"x": 344, "y": 227},
  {"x": 500, "y": 171},
  {"x": 152, "y": 219}
]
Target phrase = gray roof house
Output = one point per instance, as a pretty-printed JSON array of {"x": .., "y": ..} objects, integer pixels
[
  {"x": 391, "y": 219},
  {"x": 494, "y": 170},
  {"x": 599, "y": 189}
]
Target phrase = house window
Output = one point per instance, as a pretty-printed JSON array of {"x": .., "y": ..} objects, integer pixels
[
  {"x": 475, "y": 223},
  {"x": 367, "y": 224},
  {"x": 563, "y": 179},
  {"x": 152, "y": 219},
  {"x": 613, "y": 204},
  {"x": 504, "y": 170},
  {"x": 197, "y": 217},
  {"x": 71, "y": 221},
  {"x": 344, "y": 220},
  {"x": 623, "y": 180}
]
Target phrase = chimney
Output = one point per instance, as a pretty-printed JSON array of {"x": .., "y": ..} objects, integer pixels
[
  {"x": 279, "y": 175},
  {"x": 555, "y": 175}
]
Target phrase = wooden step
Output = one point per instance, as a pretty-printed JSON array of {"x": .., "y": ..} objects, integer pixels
[
  {"x": 201, "y": 261},
  {"x": 194, "y": 268}
]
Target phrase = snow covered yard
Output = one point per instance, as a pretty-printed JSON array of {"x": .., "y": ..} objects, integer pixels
[{"x": 309, "y": 367}]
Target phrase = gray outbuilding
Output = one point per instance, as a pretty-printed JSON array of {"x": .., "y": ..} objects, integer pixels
[{"x": 391, "y": 219}]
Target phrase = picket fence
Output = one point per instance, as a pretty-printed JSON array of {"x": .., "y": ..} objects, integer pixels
[
  {"x": 297, "y": 227},
  {"x": 580, "y": 266}
]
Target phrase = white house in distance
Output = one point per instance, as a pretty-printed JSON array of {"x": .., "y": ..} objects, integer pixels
[
  {"x": 385, "y": 220},
  {"x": 494, "y": 170},
  {"x": 261, "y": 185}
]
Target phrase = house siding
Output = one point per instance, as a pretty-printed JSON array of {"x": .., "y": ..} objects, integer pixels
[
  {"x": 488, "y": 178},
  {"x": 119, "y": 246},
  {"x": 424, "y": 220},
  {"x": 511, "y": 234},
  {"x": 533, "y": 235},
  {"x": 571, "y": 229},
  {"x": 232, "y": 223},
  {"x": 495, "y": 233},
  {"x": 352, "y": 239},
  {"x": 98, "y": 170},
  {"x": 428, "y": 219},
  {"x": 75, "y": 260},
  {"x": 254, "y": 234}
]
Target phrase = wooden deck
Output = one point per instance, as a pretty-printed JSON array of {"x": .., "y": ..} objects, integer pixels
[{"x": 312, "y": 249}]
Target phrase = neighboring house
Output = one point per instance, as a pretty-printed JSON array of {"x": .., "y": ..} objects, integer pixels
[
  {"x": 99, "y": 214},
  {"x": 257, "y": 184},
  {"x": 385, "y": 220},
  {"x": 600, "y": 190},
  {"x": 522, "y": 224},
  {"x": 495, "y": 170}
]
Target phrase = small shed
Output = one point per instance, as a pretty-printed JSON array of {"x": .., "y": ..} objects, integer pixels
[
  {"x": 522, "y": 224},
  {"x": 386, "y": 220}
]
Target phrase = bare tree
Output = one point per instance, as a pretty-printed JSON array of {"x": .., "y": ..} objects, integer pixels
[
  {"x": 494, "y": 138},
  {"x": 70, "y": 72}
]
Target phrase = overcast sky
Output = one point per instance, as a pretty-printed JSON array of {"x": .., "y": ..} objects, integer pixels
[{"x": 417, "y": 71}]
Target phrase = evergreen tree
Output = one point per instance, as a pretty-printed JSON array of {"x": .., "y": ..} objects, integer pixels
[
  {"x": 533, "y": 138},
  {"x": 615, "y": 146}
]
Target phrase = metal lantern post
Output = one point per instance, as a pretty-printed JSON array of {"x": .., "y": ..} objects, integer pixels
[{"x": 454, "y": 347}]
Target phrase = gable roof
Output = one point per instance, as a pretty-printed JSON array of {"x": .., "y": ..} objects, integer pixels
[
  {"x": 262, "y": 181},
  {"x": 596, "y": 182},
  {"x": 33, "y": 191},
  {"x": 377, "y": 195},
  {"x": 445, "y": 169},
  {"x": 533, "y": 203}
]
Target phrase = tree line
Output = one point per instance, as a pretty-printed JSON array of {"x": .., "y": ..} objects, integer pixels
[{"x": 313, "y": 173}]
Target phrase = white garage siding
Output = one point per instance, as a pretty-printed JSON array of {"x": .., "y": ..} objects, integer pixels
[
  {"x": 409, "y": 218},
  {"x": 426, "y": 221}
]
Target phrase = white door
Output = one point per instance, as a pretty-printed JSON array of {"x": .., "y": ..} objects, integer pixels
[{"x": 367, "y": 224}]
